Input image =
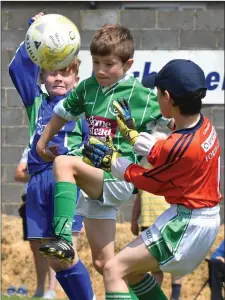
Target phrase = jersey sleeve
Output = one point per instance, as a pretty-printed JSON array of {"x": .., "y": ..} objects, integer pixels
[
  {"x": 24, "y": 74},
  {"x": 72, "y": 107},
  {"x": 169, "y": 162},
  {"x": 154, "y": 155}
]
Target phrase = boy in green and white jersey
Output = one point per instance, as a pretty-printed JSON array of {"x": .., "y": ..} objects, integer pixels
[{"x": 112, "y": 50}]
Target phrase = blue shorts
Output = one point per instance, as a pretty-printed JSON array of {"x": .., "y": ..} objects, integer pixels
[{"x": 40, "y": 206}]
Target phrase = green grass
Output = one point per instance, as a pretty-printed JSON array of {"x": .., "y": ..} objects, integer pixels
[{"x": 17, "y": 298}]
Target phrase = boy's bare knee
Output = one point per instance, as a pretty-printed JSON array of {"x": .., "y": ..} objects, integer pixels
[
  {"x": 99, "y": 265},
  {"x": 64, "y": 163},
  {"x": 63, "y": 168},
  {"x": 61, "y": 161},
  {"x": 110, "y": 270}
]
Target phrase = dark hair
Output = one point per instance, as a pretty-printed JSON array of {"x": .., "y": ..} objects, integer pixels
[
  {"x": 113, "y": 39},
  {"x": 189, "y": 105}
]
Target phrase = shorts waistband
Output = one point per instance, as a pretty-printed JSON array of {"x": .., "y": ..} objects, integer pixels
[
  {"x": 206, "y": 211},
  {"x": 47, "y": 168}
]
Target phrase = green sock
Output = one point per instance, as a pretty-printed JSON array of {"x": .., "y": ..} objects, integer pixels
[
  {"x": 133, "y": 296},
  {"x": 65, "y": 195},
  {"x": 147, "y": 289},
  {"x": 118, "y": 296}
]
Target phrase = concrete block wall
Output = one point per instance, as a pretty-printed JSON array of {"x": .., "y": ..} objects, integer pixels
[{"x": 161, "y": 25}]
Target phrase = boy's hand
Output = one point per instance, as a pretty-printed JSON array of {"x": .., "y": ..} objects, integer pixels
[
  {"x": 40, "y": 14},
  {"x": 125, "y": 121},
  {"x": 31, "y": 20},
  {"x": 49, "y": 153},
  {"x": 54, "y": 149},
  {"x": 100, "y": 154}
]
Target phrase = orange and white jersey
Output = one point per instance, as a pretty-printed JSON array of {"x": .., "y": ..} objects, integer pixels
[{"x": 186, "y": 167}]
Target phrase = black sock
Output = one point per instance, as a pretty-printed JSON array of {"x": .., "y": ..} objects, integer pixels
[{"x": 176, "y": 289}]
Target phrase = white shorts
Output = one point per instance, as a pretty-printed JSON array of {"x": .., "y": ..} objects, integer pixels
[
  {"x": 181, "y": 238},
  {"x": 115, "y": 193}
]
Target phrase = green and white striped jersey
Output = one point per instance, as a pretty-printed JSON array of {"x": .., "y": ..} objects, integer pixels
[{"x": 95, "y": 102}]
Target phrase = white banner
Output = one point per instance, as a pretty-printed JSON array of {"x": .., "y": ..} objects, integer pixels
[{"x": 146, "y": 62}]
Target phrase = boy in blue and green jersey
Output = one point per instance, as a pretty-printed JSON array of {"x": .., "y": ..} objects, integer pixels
[{"x": 40, "y": 192}]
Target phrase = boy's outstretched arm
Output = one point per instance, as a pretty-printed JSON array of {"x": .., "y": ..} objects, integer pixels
[
  {"x": 52, "y": 128},
  {"x": 24, "y": 73}
]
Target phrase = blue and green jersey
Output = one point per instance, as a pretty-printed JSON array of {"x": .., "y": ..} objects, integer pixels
[{"x": 39, "y": 107}]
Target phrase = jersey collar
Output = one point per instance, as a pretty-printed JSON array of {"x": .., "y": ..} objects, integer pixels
[
  {"x": 124, "y": 78},
  {"x": 191, "y": 129},
  {"x": 56, "y": 99}
]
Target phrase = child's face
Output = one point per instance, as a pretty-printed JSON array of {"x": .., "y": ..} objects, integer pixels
[
  {"x": 58, "y": 83},
  {"x": 109, "y": 69}
]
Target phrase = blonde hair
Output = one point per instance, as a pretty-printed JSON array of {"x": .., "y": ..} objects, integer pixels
[
  {"x": 74, "y": 66},
  {"x": 113, "y": 39}
]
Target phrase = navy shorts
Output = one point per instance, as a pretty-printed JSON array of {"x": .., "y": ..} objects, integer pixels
[{"x": 40, "y": 206}]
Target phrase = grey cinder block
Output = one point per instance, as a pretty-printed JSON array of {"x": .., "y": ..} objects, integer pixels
[
  {"x": 159, "y": 39},
  {"x": 138, "y": 18},
  {"x": 16, "y": 135}
]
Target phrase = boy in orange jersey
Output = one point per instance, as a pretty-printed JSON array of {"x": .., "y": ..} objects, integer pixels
[{"x": 186, "y": 172}]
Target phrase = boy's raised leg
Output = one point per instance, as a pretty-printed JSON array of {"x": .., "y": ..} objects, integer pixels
[
  {"x": 65, "y": 194},
  {"x": 69, "y": 172}
]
